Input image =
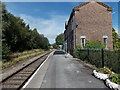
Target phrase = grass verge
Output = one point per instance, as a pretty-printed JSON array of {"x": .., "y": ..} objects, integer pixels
[{"x": 19, "y": 56}]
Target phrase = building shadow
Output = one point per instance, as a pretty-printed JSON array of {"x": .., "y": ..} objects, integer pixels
[{"x": 59, "y": 52}]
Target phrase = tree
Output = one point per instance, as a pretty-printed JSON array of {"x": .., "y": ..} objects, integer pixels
[
  {"x": 5, "y": 51},
  {"x": 17, "y": 35},
  {"x": 5, "y": 47},
  {"x": 116, "y": 40},
  {"x": 45, "y": 43},
  {"x": 54, "y": 46},
  {"x": 60, "y": 39}
]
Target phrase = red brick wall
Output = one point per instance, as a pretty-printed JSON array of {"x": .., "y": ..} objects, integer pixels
[{"x": 94, "y": 21}]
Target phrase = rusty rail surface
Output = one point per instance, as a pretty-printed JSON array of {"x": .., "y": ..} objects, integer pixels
[{"x": 20, "y": 77}]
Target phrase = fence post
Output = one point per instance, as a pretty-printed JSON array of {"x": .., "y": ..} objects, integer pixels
[{"x": 102, "y": 53}]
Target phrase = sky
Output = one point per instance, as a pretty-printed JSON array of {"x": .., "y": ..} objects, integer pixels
[{"x": 49, "y": 17}]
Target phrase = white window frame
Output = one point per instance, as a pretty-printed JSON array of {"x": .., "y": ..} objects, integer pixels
[
  {"x": 105, "y": 38},
  {"x": 83, "y": 41}
]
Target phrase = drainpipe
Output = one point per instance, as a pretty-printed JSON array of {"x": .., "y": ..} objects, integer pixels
[{"x": 74, "y": 30}]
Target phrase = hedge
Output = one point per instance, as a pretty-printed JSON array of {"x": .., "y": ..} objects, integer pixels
[{"x": 111, "y": 58}]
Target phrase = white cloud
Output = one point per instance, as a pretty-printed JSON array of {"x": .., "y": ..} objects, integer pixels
[
  {"x": 114, "y": 13},
  {"x": 49, "y": 27}
]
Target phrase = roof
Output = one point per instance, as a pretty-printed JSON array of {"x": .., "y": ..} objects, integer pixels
[{"x": 101, "y": 3}]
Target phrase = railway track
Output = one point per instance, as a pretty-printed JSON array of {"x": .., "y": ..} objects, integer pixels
[{"x": 19, "y": 78}]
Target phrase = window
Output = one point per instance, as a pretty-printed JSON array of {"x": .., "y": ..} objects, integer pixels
[
  {"x": 105, "y": 41},
  {"x": 83, "y": 41}
]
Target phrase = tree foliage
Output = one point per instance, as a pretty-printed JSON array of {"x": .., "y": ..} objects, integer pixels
[
  {"x": 76, "y": 50},
  {"x": 60, "y": 39},
  {"x": 17, "y": 35},
  {"x": 5, "y": 51},
  {"x": 96, "y": 44},
  {"x": 54, "y": 46},
  {"x": 116, "y": 40}
]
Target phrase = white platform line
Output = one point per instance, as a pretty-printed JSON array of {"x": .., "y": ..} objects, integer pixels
[{"x": 35, "y": 72}]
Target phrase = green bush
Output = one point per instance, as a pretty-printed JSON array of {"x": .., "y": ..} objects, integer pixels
[
  {"x": 94, "y": 56},
  {"x": 5, "y": 52},
  {"x": 96, "y": 44},
  {"x": 76, "y": 51},
  {"x": 112, "y": 60},
  {"x": 115, "y": 78}
]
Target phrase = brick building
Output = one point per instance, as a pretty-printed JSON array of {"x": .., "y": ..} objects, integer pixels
[{"x": 89, "y": 21}]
